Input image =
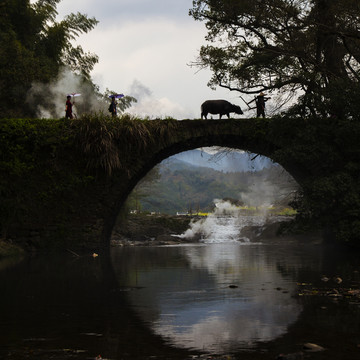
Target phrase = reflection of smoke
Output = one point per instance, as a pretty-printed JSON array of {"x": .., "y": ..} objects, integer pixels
[
  {"x": 223, "y": 225},
  {"x": 48, "y": 100},
  {"x": 149, "y": 106}
]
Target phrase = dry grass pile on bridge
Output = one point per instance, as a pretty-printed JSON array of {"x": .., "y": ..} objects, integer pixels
[{"x": 110, "y": 144}]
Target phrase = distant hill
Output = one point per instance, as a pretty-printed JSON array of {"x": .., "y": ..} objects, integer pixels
[{"x": 181, "y": 185}]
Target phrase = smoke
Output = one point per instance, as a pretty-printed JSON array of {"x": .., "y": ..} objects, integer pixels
[
  {"x": 223, "y": 225},
  {"x": 227, "y": 221},
  {"x": 275, "y": 187},
  {"x": 261, "y": 194},
  {"x": 48, "y": 100},
  {"x": 149, "y": 106}
]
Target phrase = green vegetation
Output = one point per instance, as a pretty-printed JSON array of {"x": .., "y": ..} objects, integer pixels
[
  {"x": 9, "y": 250},
  {"x": 21, "y": 144},
  {"x": 181, "y": 188},
  {"x": 329, "y": 151},
  {"x": 116, "y": 144},
  {"x": 36, "y": 52},
  {"x": 34, "y": 47},
  {"x": 308, "y": 49}
]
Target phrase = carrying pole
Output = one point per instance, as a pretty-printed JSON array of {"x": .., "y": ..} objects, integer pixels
[{"x": 245, "y": 102}]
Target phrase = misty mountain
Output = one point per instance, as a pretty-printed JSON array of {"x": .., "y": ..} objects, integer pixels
[
  {"x": 180, "y": 186},
  {"x": 174, "y": 164}
]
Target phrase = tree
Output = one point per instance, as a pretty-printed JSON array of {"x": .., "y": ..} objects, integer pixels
[
  {"x": 309, "y": 48},
  {"x": 34, "y": 46}
]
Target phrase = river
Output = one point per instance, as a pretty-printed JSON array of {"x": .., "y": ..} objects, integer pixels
[{"x": 231, "y": 299}]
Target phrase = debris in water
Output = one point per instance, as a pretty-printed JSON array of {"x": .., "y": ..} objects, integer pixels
[
  {"x": 73, "y": 252},
  {"x": 312, "y": 347},
  {"x": 294, "y": 356}
]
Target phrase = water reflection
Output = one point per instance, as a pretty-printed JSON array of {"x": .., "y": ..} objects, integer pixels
[
  {"x": 217, "y": 297},
  {"x": 61, "y": 307}
]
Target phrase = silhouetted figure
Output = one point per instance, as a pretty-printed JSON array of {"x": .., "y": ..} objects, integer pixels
[
  {"x": 260, "y": 101},
  {"x": 68, "y": 108},
  {"x": 112, "y": 107}
]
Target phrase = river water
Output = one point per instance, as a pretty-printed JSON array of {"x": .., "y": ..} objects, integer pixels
[{"x": 231, "y": 299}]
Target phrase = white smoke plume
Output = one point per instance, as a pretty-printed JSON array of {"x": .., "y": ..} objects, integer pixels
[
  {"x": 48, "y": 100},
  {"x": 223, "y": 225},
  {"x": 275, "y": 188},
  {"x": 261, "y": 194},
  {"x": 149, "y": 106}
]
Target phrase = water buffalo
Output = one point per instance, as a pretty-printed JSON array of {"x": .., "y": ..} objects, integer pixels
[{"x": 221, "y": 107}]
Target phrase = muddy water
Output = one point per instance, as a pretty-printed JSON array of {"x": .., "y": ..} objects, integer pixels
[{"x": 236, "y": 300}]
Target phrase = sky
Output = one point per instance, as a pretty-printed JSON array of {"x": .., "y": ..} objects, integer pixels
[{"x": 145, "y": 48}]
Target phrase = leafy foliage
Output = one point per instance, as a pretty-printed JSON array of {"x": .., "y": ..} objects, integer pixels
[
  {"x": 330, "y": 153},
  {"x": 24, "y": 143},
  {"x": 33, "y": 47},
  {"x": 311, "y": 48}
]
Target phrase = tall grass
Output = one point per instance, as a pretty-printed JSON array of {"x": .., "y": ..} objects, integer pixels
[{"x": 112, "y": 143}]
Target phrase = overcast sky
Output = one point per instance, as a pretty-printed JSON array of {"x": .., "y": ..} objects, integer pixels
[{"x": 145, "y": 48}]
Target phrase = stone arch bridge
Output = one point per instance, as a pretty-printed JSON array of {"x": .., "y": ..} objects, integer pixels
[{"x": 101, "y": 162}]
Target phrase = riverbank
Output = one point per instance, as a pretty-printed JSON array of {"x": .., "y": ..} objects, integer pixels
[
  {"x": 10, "y": 254},
  {"x": 155, "y": 230},
  {"x": 146, "y": 230},
  {"x": 8, "y": 250}
]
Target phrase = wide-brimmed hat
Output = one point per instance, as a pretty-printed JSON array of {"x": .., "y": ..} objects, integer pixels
[{"x": 262, "y": 94}]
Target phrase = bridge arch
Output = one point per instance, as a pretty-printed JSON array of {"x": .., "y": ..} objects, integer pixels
[
  {"x": 253, "y": 135},
  {"x": 75, "y": 197}
]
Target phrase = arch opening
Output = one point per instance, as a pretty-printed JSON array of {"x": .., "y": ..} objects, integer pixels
[
  {"x": 255, "y": 189},
  {"x": 206, "y": 183}
]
